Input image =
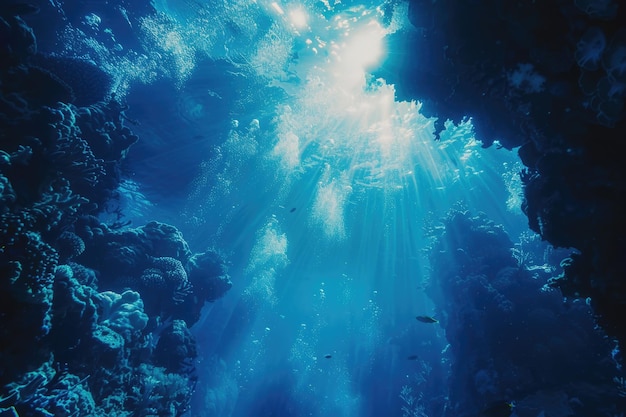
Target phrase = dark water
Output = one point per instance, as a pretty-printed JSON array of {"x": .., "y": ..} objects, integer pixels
[{"x": 264, "y": 136}]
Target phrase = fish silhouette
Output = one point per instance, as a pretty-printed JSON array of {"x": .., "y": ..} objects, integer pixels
[{"x": 427, "y": 319}]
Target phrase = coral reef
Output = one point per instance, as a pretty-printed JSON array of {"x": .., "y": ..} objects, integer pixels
[
  {"x": 94, "y": 318},
  {"x": 122, "y": 313},
  {"x": 510, "y": 338},
  {"x": 548, "y": 78},
  {"x": 175, "y": 348}
]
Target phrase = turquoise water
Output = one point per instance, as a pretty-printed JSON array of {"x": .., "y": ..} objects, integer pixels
[
  {"x": 269, "y": 133},
  {"x": 318, "y": 185}
]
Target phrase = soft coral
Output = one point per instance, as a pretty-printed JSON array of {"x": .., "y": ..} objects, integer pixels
[{"x": 590, "y": 48}]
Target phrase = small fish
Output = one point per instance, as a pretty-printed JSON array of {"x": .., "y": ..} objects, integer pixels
[
  {"x": 328, "y": 356},
  {"x": 498, "y": 409},
  {"x": 412, "y": 357},
  {"x": 292, "y": 210},
  {"x": 427, "y": 319}
]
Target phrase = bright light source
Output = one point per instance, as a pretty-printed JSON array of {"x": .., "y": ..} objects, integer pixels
[
  {"x": 365, "y": 45},
  {"x": 298, "y": 18},
  {"x": 277, "y": 7}
]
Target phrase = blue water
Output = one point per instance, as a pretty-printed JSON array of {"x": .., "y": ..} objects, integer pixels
[
  {"x": 317, "y": 185},
  {"x": 265, "y": 135}
]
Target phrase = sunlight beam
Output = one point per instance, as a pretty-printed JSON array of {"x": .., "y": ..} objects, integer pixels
[
  {"x": 298, "y": 18},
  {"x": 365, "y": 46}
]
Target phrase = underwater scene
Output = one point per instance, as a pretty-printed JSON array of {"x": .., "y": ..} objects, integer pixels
[{"x": 324, "y": 208}]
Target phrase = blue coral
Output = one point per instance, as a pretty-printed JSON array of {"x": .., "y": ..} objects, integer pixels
[
  {"x": 160, "y": 392},
  {"x": 59, "y": 165},
  {"x": 123, "y": 313},
  {"x": 590, "y": 48},
  {"x": 102, "y": 125},
  {"x": 48, "y": 393},
  {"x": 70, "y": 152}
]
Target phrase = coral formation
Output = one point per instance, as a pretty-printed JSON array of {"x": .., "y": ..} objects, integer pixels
[
  {"x": 566, "y": 132},
  {"x": 122, "y": 313},
  {"x": 176, "y": 349},
  {"x": 504, "y": 328},
  {"x": 103, "y": 310}
]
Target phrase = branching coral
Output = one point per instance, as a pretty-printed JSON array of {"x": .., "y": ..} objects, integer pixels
[
  {"x": 61, "y": 140},
  {"x": 412, "y": 405},
  {"x": 102, "y": 125},
  {"x": 46, "y": 392},
  {"x": 160, "y": 392},
  {"x": 71, "y": 152},
  {"x": 58, "y": 205},
  {"x": 59, "y": 165}
]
